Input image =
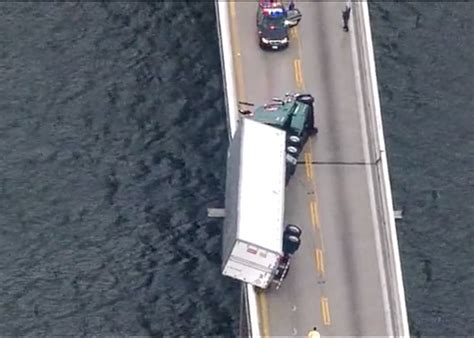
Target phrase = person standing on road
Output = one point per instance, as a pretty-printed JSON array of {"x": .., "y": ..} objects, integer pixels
[
  {"x": 346, "y": 14},
  {"x": 314, "y": 333},
  {"x": 291, "y": 5}
]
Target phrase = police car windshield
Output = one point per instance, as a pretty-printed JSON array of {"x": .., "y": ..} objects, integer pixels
[{"x": 273, "y": 22}]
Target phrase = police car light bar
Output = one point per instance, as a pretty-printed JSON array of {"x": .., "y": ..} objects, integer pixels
[{"x": 274, "y": 12}]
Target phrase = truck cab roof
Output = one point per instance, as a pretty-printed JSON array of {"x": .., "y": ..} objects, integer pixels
[
  {"x": 290, "y": 116},
  {"x": 274, "y": 113}
]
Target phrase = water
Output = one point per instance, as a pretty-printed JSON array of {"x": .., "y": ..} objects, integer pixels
[
  {"x": 424, "y": 55},
  {"x": 113, "y": 143}
]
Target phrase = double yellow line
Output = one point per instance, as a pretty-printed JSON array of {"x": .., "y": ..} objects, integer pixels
[
  {"x": 294, "y": 34},
  {"x": 313, "y": 207},
  {"x": 314, "y": 214},
  {"x": 298, "y": 74},
  {"x": 325, "y": 311},
  {"x": 319, "y": 256},
  {"x": 308, "y": 165}
]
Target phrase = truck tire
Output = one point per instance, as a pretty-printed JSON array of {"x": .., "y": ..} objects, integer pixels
[
  {"x": 292, "y": 150},
  {"x": 290, "y": 244},
  {"x": 291, "y": 160},
  {"x": 294, "y": 230},
  {"x": 305, "y": 98},
  {"x": 294, "y": 140},
  {"x": 291, "y": 163},
  {"x": 291, "y": 238}
]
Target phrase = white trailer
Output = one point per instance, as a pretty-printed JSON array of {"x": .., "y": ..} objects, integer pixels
[{"x": 255, "y": 199}]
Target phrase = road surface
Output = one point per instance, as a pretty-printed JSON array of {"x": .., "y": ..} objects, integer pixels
[{"x": 335, "y": 281}]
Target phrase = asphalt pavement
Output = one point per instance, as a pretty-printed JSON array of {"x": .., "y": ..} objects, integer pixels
[{"x": 335, "y": 281}]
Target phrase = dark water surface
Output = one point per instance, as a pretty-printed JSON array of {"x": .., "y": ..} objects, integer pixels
[
  {"x": 425, "y": 58},
  {"x": 113, "y": 143}
]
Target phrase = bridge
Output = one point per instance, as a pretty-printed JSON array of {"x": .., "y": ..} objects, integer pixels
[{"x": 346, "y": 278}]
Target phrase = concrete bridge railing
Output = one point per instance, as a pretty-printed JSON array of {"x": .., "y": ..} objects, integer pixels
[{"x": 363, "y": 46}]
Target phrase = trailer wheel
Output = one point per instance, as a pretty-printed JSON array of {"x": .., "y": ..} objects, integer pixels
[
  {"x": 291, "y": 244},
  {"x": 294, "y": 230},
  {"x": 291, "y": 160},
  {"x": 292, "y": 150},
  {"x": 291, "y": 238},
  {"x": 295, "y": 140}
]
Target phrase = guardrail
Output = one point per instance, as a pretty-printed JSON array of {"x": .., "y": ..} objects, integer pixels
[
  {"x": 363, "y": 34},
  {"x": 230, "y": 91}
]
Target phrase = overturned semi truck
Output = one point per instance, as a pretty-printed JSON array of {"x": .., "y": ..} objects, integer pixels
[
  {"x": 253, "y": 250},
  {"x": 257, "y": 244}
]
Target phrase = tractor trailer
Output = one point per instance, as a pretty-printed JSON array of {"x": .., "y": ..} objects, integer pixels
[{"x": 257, "y": 244}]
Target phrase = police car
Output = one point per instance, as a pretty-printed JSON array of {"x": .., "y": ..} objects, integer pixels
[{"x": 273, "y": 23}]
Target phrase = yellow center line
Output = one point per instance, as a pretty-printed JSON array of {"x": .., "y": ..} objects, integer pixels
[
  {"x": 264, "y": 313},
  {"x": 313, "y": 205},
  {"x": 319, "y": 261},
  {"x": 325, "y": 311},
  {"x": 319, "y": 253},
  {"x": 298, "y": 73},
  {"x": 314, "y": 214},
  {"x": 296, "y": 36},
  {"x": 308, "y": 166},
  {"x": 237, "y": 56},
  {"x": 236, "y": 53}
]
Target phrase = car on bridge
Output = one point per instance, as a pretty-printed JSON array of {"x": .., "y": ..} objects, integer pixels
[{"x": 273, "y": 23}]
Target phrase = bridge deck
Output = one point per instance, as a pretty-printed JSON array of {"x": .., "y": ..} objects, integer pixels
[{"x": 336, "y": 281}]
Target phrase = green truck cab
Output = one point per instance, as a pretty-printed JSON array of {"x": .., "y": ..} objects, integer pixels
[{"x": 295, "y": 114}]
